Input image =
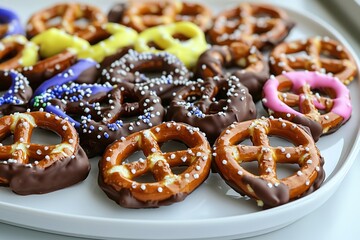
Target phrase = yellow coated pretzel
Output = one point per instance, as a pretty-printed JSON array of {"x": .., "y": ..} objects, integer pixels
[
  {"x": 27, "y": 56},
  {"x": 54, "y": 41},
  {"x": 121, "y": 36},
  {"x": 187, "y": 51}
]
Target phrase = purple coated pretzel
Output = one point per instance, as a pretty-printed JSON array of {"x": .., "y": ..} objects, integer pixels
[{"x": 9, "y": 23}]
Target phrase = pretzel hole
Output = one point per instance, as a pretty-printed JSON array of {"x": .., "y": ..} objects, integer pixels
[
  {"x": 8, "y": 54},
  {"x": 154, "y": 45},
  {"x": 221, "y": 94},
  {"x": 55, "y": 21},
  {"x": 134, "y": 157},
  {"x": 7, "y": 140},
  {"x": 147, "y": 177},
  {"x": 172, "y": 146},
  {"x": 276, "y": 141},
  {"x": 284, "y": 170},
  {"x": 45, "y": 137},
  {"x": 181, "y": 37},
  {"x": 251, "y": 167},
  {"x": 82, "y": 23},
  {"x": 98, "y": 37}
]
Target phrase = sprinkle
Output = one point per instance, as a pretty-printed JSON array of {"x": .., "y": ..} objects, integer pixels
[
  {"x": 160, "y": 189},
  {"x": 143, "y": 187},
  {"x": 224, "y": 162}
]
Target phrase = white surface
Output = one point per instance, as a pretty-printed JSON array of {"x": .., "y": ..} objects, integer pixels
[{"x": 331, "y": 221}]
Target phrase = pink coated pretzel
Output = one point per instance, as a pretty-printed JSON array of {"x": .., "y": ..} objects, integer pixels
[{"x": 322, "y": 114}]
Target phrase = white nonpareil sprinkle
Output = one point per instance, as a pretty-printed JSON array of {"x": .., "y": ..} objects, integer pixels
[
  {"x": 160, "y": 189},
  {"x": 143, "y": 187},
  {"x": 224, "y": 162}
]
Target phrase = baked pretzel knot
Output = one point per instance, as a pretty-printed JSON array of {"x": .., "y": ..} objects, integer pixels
[
  {"x": 69, "y": 13},
  {"x": 29, "y": 168},
  {"x": 312, "y": 99},
  {"x": 321, "y": 54},
  {"x": 118, "y": 177},
  {"x": 143, "y": 14},
  {"x": 267, "y": 188},
  {"x": 254, "y": 24}
]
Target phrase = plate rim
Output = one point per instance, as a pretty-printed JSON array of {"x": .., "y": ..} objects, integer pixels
[{"x": 331, "y": 183}]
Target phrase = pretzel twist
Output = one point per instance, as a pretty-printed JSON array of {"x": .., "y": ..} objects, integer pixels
[
  {"x": 246, "y": 62},
  {"x": 35, "y": 168},
  {"x": 106, "y": 40},
  {"x": 141, "y": 15},
  {"x": 322, "y": 114},
  {"x": 322, "y": 54},
  {"x": 118, "y": 177},
  {"x": 163, "y": 39},
  {"x": 266, "y": 187},
  {"x": 254, "y": 24},
  {"x": 69, "y": 14}
]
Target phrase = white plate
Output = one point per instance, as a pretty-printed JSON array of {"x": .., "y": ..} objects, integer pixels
[{"x": 212, "y": 211}]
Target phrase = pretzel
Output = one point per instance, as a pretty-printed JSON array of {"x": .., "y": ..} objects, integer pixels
[
  {"x": 266, "y": 187},
  {"x": 322, "y": 114},
  {"x": 29, "y": 168},
  {"x": 84, "y": 71},
  {"x": 71, "y": 100},
  {"x": 133, "y": 66},
  {"x": 69, "y": 13},
  {"x": 110, "y": 120},
  {"x": 163, "y": 39},
  {"x": 212, "y": 105},
  {"x": 18, "y": 93},
  {"x": 255, "y": 24},
  {"x": 246, "y": 62},
  {"x": 144, "y": 14},
  {"x": 9, "y": 23},
  {"x": 16, "y": 52},
  {"x": 108, "y": 39},
  {"x": 48, "y": 68},
  {"x": 322, "y": 54},
  {"x": 118, "y": 178},
  {"x": 196, "y": 13}
]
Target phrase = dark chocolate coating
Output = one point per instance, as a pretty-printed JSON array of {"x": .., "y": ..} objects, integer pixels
[
  {"x": 125, "y": 199},
  {"x": 133, "y": 66},
  {"x": 220, "y": 102},
  {"x": 103, "y": 128},
  {"x": 315, "y": 127},
  {"x": 25, "y": 180},
  {"x": 213, "y": 61}
]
